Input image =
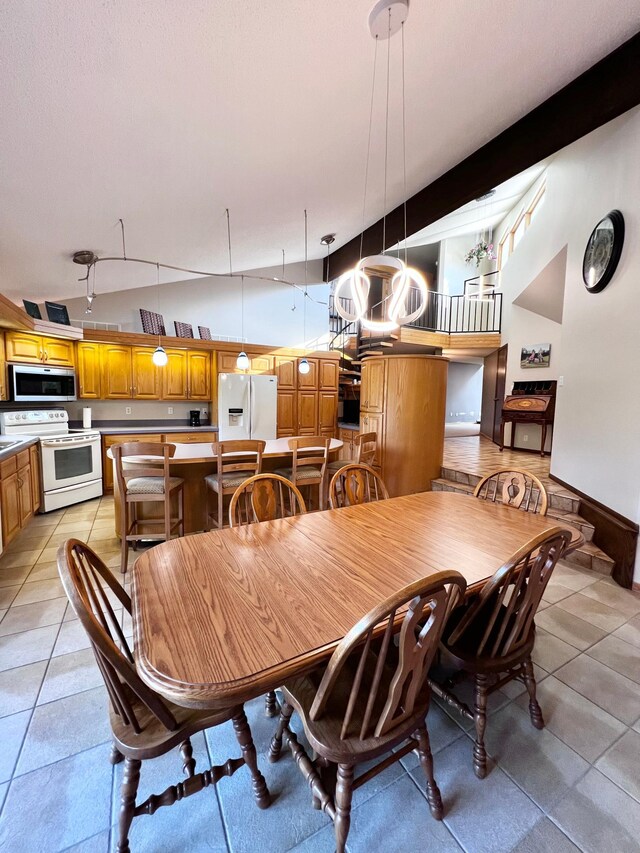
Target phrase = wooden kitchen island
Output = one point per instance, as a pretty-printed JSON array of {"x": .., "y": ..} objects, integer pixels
[{"x": 193, "y": 462}]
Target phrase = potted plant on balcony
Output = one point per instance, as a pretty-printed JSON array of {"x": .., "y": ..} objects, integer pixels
[{"x": 480, "y": 252}]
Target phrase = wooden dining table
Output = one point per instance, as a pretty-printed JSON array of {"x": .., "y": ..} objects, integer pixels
[{"x": 222, "y": 617}]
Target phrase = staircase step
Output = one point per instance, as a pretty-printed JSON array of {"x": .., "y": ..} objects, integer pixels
[
  {"x": 364, "y": 353},
  {"x": 368, "y": 346},
  {"x": 372, "y": 336},
  {"x": 573, "y": 519},
  {"x": 589, "y": 556}
]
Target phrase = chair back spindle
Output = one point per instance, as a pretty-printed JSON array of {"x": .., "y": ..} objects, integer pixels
[
  {"x": 365, "y": 444},
  {"x": 500, "y": 618},
  {"x": 149, "y": 468},
  {"x": 265, "y": 497},
  {"x": 514, "y": 487},
  {"x": 390, "y": 683},
  {"x": 356, "y": 484},
  {"x": 239, "y": 455}
]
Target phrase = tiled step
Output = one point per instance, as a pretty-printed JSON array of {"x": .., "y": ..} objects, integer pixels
[{"x": 588, "y": 556}]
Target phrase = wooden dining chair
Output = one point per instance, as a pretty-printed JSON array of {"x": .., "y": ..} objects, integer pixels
[
  {"x": 365, "y": 444},
  {"x": 356, "y": 484},
  {"x": 146, "y": 483},
  {"x": 514, "y": 487},
  {"x": 491, "y": 637},
  {"x": 309, "y": 464},
  {"x": 232, "y": 471},
  {"x": 372, "y": 697},
  {"x": 265, "y": 497},
  {"x": 143, "y": 724}
]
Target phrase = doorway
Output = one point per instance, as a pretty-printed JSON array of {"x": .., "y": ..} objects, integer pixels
[{"x": 493, "y": 392}]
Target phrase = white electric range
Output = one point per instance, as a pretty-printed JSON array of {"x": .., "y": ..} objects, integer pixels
[{"x": 71, "y": 460}]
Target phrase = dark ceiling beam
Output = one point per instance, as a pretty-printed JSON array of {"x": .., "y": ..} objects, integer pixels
[{"x": 603, "y": 92}]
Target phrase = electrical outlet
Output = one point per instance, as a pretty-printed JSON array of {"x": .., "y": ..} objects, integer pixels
[
  {"x": 203, "y": 412},
  {"x": 561, "y": 381},
  {"x": 170, "y": 410},
  {"x": 127, "y": 410},
  {"x": 525, "y": 438}
]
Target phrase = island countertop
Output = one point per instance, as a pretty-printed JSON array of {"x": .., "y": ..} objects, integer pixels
[{"x": 196, "y": 452}]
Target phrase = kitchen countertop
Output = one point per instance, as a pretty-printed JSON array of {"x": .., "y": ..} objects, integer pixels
[
  {"x": 345, "y": 425},
  {"x": 22, "y": 442},
  {"x": 124, "y": 427},
  {"x": 186, "y": 453}
]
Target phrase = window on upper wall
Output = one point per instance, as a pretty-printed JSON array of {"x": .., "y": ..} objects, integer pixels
[{"x": 516, "y": 231}]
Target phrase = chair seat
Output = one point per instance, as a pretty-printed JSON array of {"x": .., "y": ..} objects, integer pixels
[
  {"x": 230, "y": 480},
  {"x": 465, "y": 651},
  {"x": 305, "y": 472},
  {"x": 151, "y": 485},
  {"x": 324, "y": 734},
  {"x": 338, "y": 464},
  {"x": 155, "y": 739}
]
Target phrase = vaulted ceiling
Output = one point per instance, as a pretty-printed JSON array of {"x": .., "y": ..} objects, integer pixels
[{"x": 165, "y": 112}]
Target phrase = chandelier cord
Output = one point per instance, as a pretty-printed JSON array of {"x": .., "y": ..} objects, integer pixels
[
  {"x": 229, "y": 239},
  {"x": 386, "y": 140},
  {"x": 404, "y": 149},
  {"x": 157, "y": 294},
  {"x": 304, "y": 306},
  {"x": 366, "y": 168}
]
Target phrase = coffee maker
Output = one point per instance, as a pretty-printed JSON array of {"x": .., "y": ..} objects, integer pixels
[{"x": 194, "y": 417}]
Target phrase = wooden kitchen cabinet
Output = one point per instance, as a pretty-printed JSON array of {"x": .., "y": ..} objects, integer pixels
[
  {"x": 403, "y": 401},
  {"x": 190, "y": 437},
  {"x": 307, "y": 413},
  {"x": 328, "y": 379},
  {"x": 199, "y": 375},
  {"x": 372, "y": 387},
  {"x": 286, "y": 370},
  {"x": 347, "y": 451},
  {"x": 89, "y": 371},
  {"x": 175, "y": 376},
  {"x": 115, "y": 371},
  {"x": 327, "y": 408},
  {"x": 145, "y": 375},
  {"x": 16, "y": 493},
  {"x": 3, "y": 371},
  {"x": 36, "y": 487},
  {"x": 35, "y": 349},
  {"x": 287, "y": 417},
  {"x": 257, "y": 363},
  {"x": 308, "y": 381}
]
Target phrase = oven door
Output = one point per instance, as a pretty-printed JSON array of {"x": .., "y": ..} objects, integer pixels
[
  {"x": 31, "y": 384},
  {"x": 69, "y": 461}
]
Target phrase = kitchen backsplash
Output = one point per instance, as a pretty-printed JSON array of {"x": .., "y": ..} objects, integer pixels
[{"x": 122, "y": 410}]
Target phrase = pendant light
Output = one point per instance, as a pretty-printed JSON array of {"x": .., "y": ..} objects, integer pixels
[
  {"x": 303, "y": 365},
  {"x": 386, "y": 18},
  {"x": 242, "y": 361},
  {"x": 159, "y": 357}
]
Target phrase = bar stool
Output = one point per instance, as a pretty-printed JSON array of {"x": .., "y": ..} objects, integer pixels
[
  {"x": 310, "y": 457},
  {"x": 232, "y": 472},
  {"x": 146, "y": 483},
  {"x": 365, "y": 444}
]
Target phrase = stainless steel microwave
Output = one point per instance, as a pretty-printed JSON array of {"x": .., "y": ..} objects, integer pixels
[{"x": 30, "y": 383}]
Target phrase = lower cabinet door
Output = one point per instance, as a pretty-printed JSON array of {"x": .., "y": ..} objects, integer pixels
[
  {"x": 374, "y": 423},
  {"x": 327, "y": 410},
  {"x": 10, "y": 507},
  {"x": 287, "y": 414},
  {"x": 307, "y": 412}
]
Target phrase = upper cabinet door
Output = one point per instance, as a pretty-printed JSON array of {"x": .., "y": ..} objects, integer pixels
[
  {"x": 116, "y": 372},
  {"x": 328, "y": 374},
  {"x": 24, "y": 348},
  {"x": 308, "y": 381},
  {"x": 174, "y": 375},
  {"x": 89, "y": 384},
  {"x": 261, "y": 363},
  {"x": 145, "y": 374},
  {"x": 286, "y": 373},
  {"x": 199, "y": 372},
  {"x": 58, "y": 352},
  {"x": 372, "y": 388},
  {"x": 307, "y": 412}
]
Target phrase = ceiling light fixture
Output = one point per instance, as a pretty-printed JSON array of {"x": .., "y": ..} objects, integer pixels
[
  {"x": 303, "y": 365},
  {"x": 159, "y": 357},
  {"x": 399, "y": 282}
]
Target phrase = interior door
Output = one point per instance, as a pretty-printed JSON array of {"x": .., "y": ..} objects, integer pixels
[{"x": 493, "y": 391}]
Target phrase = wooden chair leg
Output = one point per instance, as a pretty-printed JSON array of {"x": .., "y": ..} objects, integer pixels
[
  {"x": 243, "y": 735},
  {"x": 426, "y": 760},
  {"x": 181, "y": 510},
  {"x": 167, "y": 517},
  {"x": 129, "y": 790},
  {"x": 220, "y": 510},
  {"x": 115, "y": 756},
  {"x": 271, "y": 706},
  {"x": 189, "y": 762},
  {"x": 344, "y": 792},
  {"x": 276, "y": 742},
  {"x": 530, "y": 683},
  {"x": 480, "y": 717},
  {"x": 124, "y": 529}
]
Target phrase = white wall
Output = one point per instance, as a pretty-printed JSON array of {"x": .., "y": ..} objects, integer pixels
[
  {"x": 596, "y": 446},
  {"x": 216, "y": 303},
  {"x": 464, "y": 392},
  {"x": 452, "y": 269}
]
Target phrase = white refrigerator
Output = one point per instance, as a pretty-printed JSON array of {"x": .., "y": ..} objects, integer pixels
[{"x": 247, "y": 406}]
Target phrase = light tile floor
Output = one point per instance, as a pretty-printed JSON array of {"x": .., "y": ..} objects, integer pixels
[{"x": 574, "y": 785}]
